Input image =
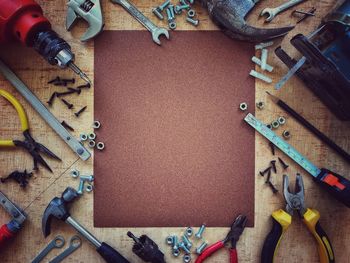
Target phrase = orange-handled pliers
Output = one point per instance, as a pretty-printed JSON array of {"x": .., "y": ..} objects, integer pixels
[{"x": 29, "y": 144}]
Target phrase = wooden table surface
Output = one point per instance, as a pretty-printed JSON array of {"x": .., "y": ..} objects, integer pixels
[{"x": 297, "y": 245}]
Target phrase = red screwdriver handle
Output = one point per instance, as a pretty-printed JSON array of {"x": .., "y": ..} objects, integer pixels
[
  {"x": 5, "y": 235},
  {"x": 209, "y": 251}
]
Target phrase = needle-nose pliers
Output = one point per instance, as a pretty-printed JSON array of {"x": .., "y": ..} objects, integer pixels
[
  {"x": 282, "y": 219},
  {"x": 233, "y": 235},
  {"x": 29, "y": 144}
]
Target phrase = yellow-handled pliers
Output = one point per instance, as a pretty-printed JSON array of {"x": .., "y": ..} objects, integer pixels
[
  {"x": 29, "y": 144},
  {"x": 282, "y": 220}
]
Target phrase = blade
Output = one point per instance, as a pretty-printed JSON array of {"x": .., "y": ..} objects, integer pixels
[{"x": 282, "y": 145}]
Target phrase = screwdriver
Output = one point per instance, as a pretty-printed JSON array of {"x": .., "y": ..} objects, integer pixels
[{"x": 23, "y": 20}]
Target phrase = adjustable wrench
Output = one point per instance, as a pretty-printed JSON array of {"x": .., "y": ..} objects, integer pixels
[
  {"x": 272, "y": 12},
  {"x": 57, "y": 242},
  {"x": 75, "y": 243},
  {"x": 146, "y": 22}
]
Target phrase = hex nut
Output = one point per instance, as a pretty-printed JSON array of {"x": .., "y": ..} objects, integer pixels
[
  {"x": 187, "y": 258},
  {"x": 191, "y": 13},
  {"x": 243, "y": 106},
  {"x": 89, "y": 188},
  {"x": 172, "y": 25},
  {"x": 189, "y": 231},
  {"x": 281, "y": 120},
  {"x": 169, "y": 240},
  {"x": 92, "y": 136},
  {"x": 286, "y": 134},
  {"x": 96, "y": 125},
  {"x": 92, "y": 143},
  {"x": 260, "y": 105},
  {"x": 74, "y": 173},
  {"x": 83, "y": 137},
  {"x": 275, "y": 124},
  {"x": 176, "y": 252},
  {"x": 100, "y": 146}
]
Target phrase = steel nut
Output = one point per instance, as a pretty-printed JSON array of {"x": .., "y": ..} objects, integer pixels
[
  {"x": 100, "y": 146},
  {"x": 96, "y": 125},
  {"x": 83, "y": 137},
  {"x": 243, "y": 106},
  {"x": 74, "y": 173}
]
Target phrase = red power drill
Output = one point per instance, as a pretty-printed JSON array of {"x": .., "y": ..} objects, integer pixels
[
  {"x": 9, "y": 230},
  {"x": 23, "y": 20}
]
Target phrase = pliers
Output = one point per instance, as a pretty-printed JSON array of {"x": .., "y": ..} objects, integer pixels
[
  {"x": 283, "y": 219},
  {"x": 29, "y": 144},
  {"x": 233, "y": 235}
]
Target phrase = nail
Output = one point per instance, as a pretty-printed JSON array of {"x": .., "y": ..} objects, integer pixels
[
  {"x": 54, "y": 80},
  {"x": 273, "y": 164},
  {"x": 69, "y": 105},
  {"x": 67, "y": 126},
  {"x": 284, "y": 165},
  {"x": 274, "y": 189},
  {"x": 85, "y": 86},
  {"x": 268, "y": 177},
  {"x": 262, "y": 173},
  {"x": 272, "y": 146},
  {"x": 77, "y": 114},
  {"x": 60, "y": 94},
  {"x": 72, "y": 80},
  {"x": 78, "y": 91},
  {"x": 53, "y": 96}
]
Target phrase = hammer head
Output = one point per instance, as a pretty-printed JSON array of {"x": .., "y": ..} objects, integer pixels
[
  {"x": 230, "y": 15},
  {"x": 57, "y": 208}
]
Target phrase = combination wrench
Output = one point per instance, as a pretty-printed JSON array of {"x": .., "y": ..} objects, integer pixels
[
  {"x": 57, "y": 242},
  {"x": 272, "y": 12},
  {"x": 75, "y": 243},
  {"x": 146, "y": 22}
]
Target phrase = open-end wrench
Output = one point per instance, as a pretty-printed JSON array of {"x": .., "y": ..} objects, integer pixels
[
  {"x": 57, "y": 242},
  {"x": 146, "y": 22},
  {"x": 272, "y": 12},
  {"x": 75, "y": 243}
]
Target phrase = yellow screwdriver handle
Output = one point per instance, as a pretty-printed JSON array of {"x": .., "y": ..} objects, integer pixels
[
  {"x": 325, "y": 249},
  {"x": 20, "y": 111}
]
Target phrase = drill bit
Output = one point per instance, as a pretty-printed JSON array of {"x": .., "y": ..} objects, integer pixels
[{"x": 79, "y": 72}]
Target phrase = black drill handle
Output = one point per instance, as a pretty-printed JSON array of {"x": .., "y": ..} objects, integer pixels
[
  {"x": 110, "y": 255},
  {"x": 337, "y": 185}
]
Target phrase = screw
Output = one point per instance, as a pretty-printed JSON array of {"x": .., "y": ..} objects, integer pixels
[
  {"x": 77, "y": 114},
  {"x": 284, "y": 165},
  {"x": 184, "y": 248},
  {"x": 53, "y": 96},
  {"x": 72, "y": 80},
  {"x": 262, "y": 173},
  {"x": 78, "y": 91},
  {"x": 57, "y": 79},
  {"x": 164, "y": 5},
  {"x": 273, "y": 164},
  {"x": 157, "y": 12},
  {"x": 175, "y": 243},
  {"x": 199, "y": 234},
  {"x": 194, "y": 22},
  {"x": 67, "y": 126},
  {"x": 200, "y": 249},
  {"x": 89, "y": 178},
  {"x": 187, "y": 242},
  {"x": 69, "y": 105},
  {"x": 272, "y": 146},
  {"x": 85, "y": 86},
  {"x": 81, "y": 187},
  {"x": 268, "y": 177},
  {"x": 60, "y": 83},
  {"x": 303, "y": 13},
  {"x": 274, "y": 189},
  {"x": 60, "y": 94}
]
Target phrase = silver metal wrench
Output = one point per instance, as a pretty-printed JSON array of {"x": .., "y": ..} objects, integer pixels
[
  {"x": 272, "y": 12},
  {"x": 146, "y": 22},
  {"x": 75, "y": 243},
  {"x": 57, "y": 242}
]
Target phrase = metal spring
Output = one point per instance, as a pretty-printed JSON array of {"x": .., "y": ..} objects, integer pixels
[{"x": 87, "y": 5}]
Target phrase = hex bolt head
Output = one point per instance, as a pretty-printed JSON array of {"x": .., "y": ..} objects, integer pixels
[
  {"x": 74, "y": 173},
  {"x": 175, "y": 243},
  {"x": 199, "y": 234},
  {"x": 243, "y": 106}
]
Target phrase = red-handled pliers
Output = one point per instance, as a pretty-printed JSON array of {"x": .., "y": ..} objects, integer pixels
[
  {"x": 237, "y": 228},
  {"x": 9, "y": 230}
]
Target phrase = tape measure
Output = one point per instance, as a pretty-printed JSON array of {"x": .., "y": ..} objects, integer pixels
[{"x": 282, "y": 145}]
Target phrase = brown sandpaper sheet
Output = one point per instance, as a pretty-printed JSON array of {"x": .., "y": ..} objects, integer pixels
[{"x": 178, "y": 152}]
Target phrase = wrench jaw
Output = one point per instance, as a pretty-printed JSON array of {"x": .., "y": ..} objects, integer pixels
[
  {"x": 267, "y": 12},
  {"x": 157, "y": 33}
]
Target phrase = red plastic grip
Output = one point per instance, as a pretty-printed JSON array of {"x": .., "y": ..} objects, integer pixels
[
  {"x": 233, "y": 255},
  {"x": 209, "y": 251},
  {"x": 5, "y": 235},
  {"x": 21, "y": 20}
]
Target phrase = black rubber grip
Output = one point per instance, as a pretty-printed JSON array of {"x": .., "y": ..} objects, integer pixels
[
  {"x": 271, "y": 242},
  {"x": 337, "y": 185},
  {"x": 326, "y": 242},
  {"x": 110, "y": 255}
]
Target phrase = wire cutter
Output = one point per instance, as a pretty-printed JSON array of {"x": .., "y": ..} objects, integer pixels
[
  {"x": 233, "y": 235},
  {"x": 283, "y": 219},
  {"x": 29, "y": 144}
]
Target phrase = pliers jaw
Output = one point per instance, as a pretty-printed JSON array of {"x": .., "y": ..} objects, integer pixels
[
  {"x": 237, "y": 228},
  {"x": 295, "y": 201}
]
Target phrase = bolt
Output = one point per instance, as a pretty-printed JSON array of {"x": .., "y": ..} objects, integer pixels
[
  {"x": 273, "y": 164},
  {"x": 179, "y": 8},
  {"x": 274, "y": 189},
  {"x": 187, "y": 242},
  {"x": 257, "y": 61},
  {"x": 192, "y": 21},
  {"x": 184, "y": 248},
  {"x": 67, "y": 126},
  {"x": 200, "y": 249},
  {"x": 263, "y": 45},
  {"x": 303, "y": 13},
  {"x": 57, "y": 79},
  {"x": 284, "y": 165},
  {"x": 169, "y": 240},
  {"x": 81, "y": 187},
  {"x": 60, "y": 94},
  {"x": 164, "y": 5},
  {"x": 89, "y": 178},
  {"x": 168, "y": 13},
  {"x": 53, "y": 96},
  {"x": 175, "y": 243},
  {"x": 157, "y": 12},
  {"x": 264, "y": 53},
  {"x": 272, "y": 146},
  {"x": 262, "y": 173},
  {"x": 77, "y": 114},
  {"x": 199, "y": 234},
  {"x": 189, "y": 231},
  {"x": 171, "y": 7},
  {"x": 69, "y": 105}
]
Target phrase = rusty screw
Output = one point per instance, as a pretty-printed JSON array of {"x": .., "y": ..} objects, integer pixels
[
  {"x": 69, "y": 105},
  {"x": 53, "y": 96},
  {"x": 77, "y": 114},
  {"x": 284, "y": 165}
]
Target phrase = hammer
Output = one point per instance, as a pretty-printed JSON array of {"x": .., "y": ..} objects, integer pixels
[{"x": 58, "y": 208}]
